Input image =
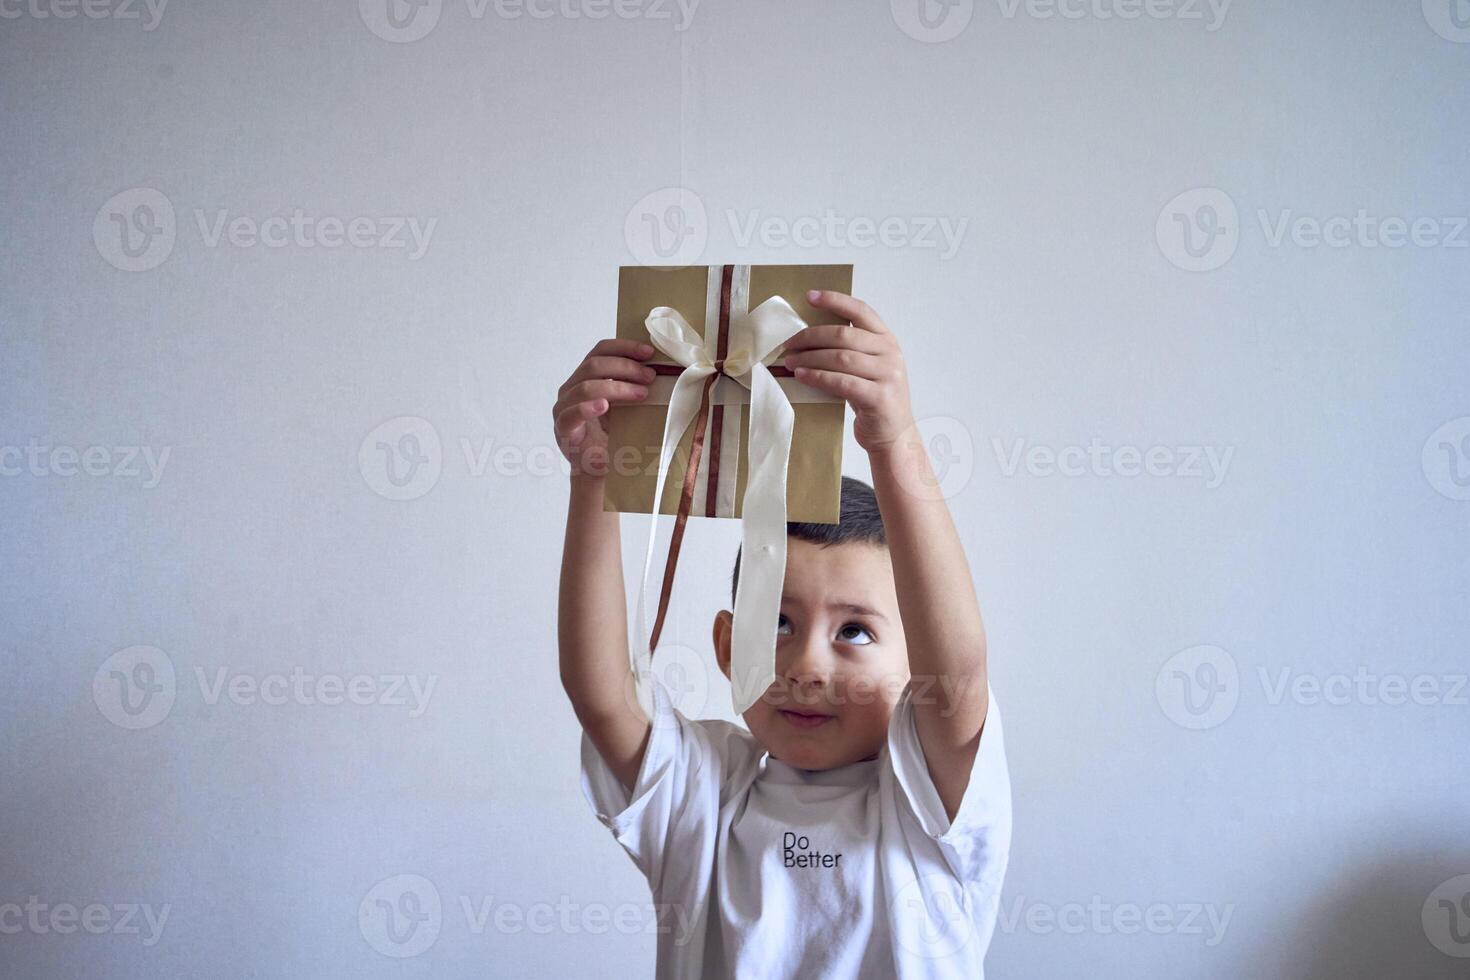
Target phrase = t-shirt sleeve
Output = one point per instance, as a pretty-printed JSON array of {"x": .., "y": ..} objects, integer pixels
[
  {"x": 676, "y": 792},
  {"x": 976, "y": 844}
]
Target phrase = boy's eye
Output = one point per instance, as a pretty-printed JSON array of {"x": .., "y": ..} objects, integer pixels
[
  {"x": 783, "y": 626},
  {"x": 855, "y": 634}
]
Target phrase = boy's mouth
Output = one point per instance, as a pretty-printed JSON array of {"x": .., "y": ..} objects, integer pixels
[{"x": 805, "y": 719}]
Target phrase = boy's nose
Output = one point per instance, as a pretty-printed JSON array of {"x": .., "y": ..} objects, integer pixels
[{"x": 808, "y": 661}]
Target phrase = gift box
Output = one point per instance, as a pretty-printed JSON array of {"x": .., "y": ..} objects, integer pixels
[
  {"x": 814, "y": 470},
  {"x": 726, "y": 431}
]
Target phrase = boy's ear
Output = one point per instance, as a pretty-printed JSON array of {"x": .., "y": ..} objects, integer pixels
[{"x": 724, "y": 620}]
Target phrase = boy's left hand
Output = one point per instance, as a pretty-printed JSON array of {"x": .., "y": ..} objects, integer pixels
[{"x": 861, "y": 363}]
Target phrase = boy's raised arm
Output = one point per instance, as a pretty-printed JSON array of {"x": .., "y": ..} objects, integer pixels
[
  {"x": 592, "y": 622},
  {"x": 936, "y": 597}
]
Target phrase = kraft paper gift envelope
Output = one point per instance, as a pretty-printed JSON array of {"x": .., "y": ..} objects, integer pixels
[{"x": 765, "y": 448}]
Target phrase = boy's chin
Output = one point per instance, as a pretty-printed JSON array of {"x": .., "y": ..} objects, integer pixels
[{"x": 817, "y": 754}]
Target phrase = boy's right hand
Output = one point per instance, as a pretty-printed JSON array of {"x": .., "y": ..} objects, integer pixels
[{"x": 611, "y": 372}]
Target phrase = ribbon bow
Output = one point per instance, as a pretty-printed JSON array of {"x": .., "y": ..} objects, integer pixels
[{"x": 736, "y": 346}]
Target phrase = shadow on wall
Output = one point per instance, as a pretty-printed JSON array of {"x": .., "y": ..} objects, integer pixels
[{"x": 1373, "y": 924}]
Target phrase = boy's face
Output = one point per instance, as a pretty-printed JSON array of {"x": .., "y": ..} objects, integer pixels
[{"x": 841, "y": 661}]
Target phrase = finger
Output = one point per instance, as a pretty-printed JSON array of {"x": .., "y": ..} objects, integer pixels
[
  {"x": 860, "y": 313},
  {"x": 622, "y": 347},
  {"x": 571, "y": 422},
  {"x": 604, "y": 366},
  {"x": 849, "y": 387},
  {"x": 614, "y": 392},
  {"x": 842, "y": 361},
  {"x": 834, "y": 335}
]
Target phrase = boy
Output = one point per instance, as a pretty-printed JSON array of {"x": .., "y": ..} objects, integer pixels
[{"x": 861, "y": 828}]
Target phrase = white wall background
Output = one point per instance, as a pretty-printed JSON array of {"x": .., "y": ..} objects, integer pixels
[{"x": 1335, "y": 543}]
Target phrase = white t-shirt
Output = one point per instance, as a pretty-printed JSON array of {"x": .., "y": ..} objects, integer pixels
[{"x": 759, "y": 869}]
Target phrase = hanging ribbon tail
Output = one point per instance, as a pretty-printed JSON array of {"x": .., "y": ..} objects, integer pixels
[
  {"x": 754, "y": 338},
  {"x": 763, "y": 541},
  {"x": 683, "y": 405}
]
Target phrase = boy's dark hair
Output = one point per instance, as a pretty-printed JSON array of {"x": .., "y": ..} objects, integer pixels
[{"x": 859, "y": 520}]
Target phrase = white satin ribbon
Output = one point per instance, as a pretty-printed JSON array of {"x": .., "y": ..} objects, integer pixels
[{"x": 753, "y": 338}]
